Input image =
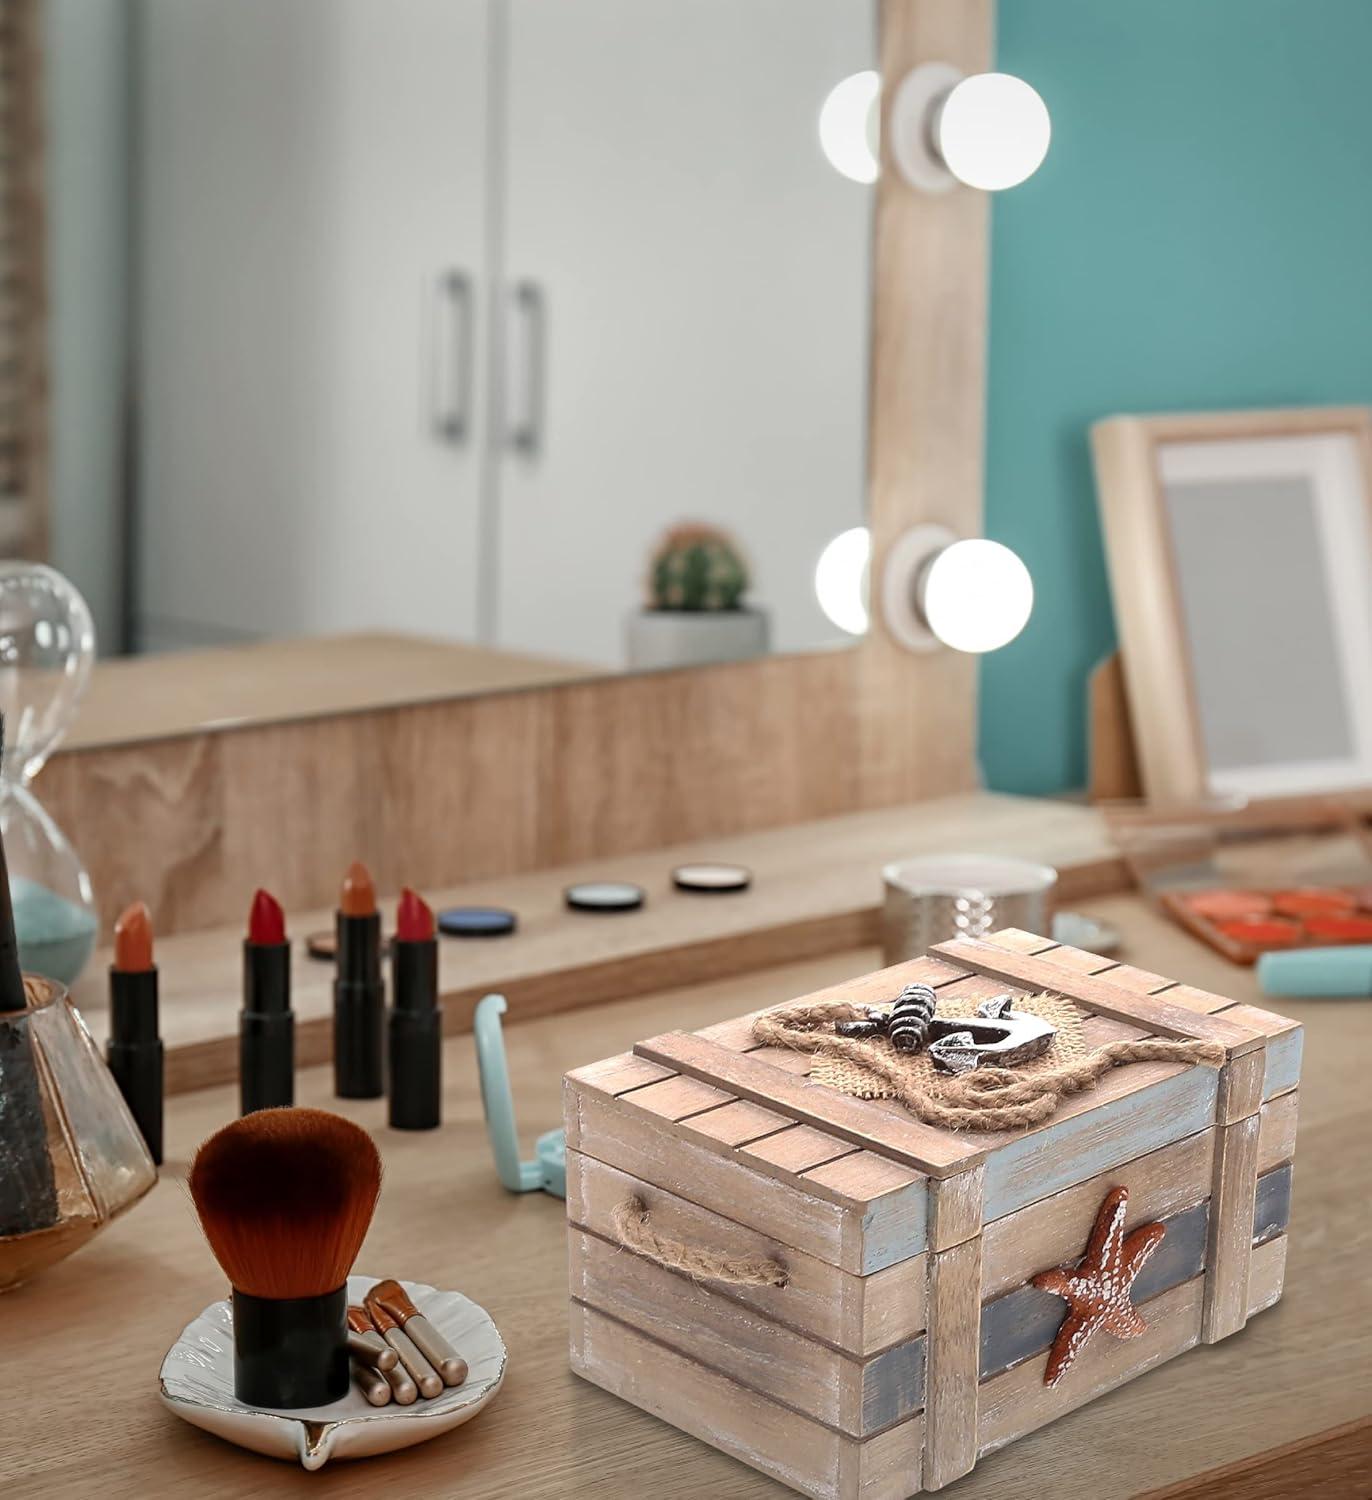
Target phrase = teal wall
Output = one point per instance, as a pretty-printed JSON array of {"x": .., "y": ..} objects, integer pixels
[{"x": 1200, "y": 237}]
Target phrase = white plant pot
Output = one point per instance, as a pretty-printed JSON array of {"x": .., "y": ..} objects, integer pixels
[{"x": 658, "y": 638}]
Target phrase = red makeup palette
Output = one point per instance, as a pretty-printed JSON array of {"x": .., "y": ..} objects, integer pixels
[{"x": 1244, "y": 924}]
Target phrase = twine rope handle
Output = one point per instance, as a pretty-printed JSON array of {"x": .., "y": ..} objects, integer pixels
[
  {"x": 630, "y": 1221},
  {"x": 985, "y": 1099}
]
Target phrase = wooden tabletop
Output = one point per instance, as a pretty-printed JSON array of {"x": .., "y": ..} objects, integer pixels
[{"x": 82, "y": 1415}]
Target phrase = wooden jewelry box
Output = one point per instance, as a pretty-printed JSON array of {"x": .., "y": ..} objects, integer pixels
[{"x": 842, "y": 1295}]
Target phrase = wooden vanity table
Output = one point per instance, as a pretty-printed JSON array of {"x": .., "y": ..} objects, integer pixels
[{"x": 1295, "y": 1417}]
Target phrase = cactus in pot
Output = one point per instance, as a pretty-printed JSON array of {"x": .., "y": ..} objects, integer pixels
[
  {"x": 697, "y": 567},
  {"x": 695, "y": 611}
]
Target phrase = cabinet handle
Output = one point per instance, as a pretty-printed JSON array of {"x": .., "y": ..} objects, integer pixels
[
  {"x": 526, "y": 340},
  {"x": 451, "y": 385}
]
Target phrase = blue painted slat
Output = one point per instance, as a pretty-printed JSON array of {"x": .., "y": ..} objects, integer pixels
[
  {"x": 1283, "y": 1069},
  {"x": 1272, "y": 1206},
  {"x": 1047, "y": 1161}
]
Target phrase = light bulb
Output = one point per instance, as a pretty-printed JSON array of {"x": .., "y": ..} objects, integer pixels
[
  {"x": 841, "y": 579},
  {"x": 848, "y": 124},
  {"x": 976, "y": 595},
  {"x": 993, "y": 131}
]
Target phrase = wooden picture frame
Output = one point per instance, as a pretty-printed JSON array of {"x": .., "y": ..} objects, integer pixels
[{"x": 1240, "y": 554}]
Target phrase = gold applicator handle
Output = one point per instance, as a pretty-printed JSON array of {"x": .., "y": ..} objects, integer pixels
[
  {"x": 372, "y": 1383},
  {"x": 371, "y": 1349},
  {"x": 405, "y": 1391},
  {"x": 436, "y": 1349},
  {"x": 389, "y": 1300}
]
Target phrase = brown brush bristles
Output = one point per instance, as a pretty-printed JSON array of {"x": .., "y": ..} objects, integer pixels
[
  {"x": 285, "y": 1197},
  {"x": 381, "y": 1316}
]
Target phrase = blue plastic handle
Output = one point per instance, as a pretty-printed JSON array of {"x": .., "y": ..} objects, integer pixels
[{"x": 549, "y": 1171}]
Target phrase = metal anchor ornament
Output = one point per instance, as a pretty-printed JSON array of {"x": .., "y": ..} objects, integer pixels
[{"x": 997, "y": 1036}]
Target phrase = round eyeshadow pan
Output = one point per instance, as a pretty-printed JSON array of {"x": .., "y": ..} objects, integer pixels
[
  {"x": 323, "y": 945},
  {"x": 605, "y": 896},
  {"x": 477, "y": 921},
  {"x": 1228, "y": 906},
  {"x": 712, "y": 879}
]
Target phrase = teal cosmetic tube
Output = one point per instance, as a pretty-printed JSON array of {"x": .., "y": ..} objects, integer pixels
[{"x": 1318, "y": 973}]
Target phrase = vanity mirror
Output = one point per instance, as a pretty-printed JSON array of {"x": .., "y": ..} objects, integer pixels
[{"x": 442, "y": 312}]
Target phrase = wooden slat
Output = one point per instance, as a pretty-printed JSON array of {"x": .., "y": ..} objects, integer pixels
[
  {"x": 1271, "y": 1207},
  {"x": 770, "y": 1199},
  {"x": 858, "y": 1397},
  {"x": 739, "y": 1122},
  {"x": 1151, "y": 1012},
  {"x": 1053, "y": 1231},
  {"x": 861, "y": 1315},
  {"x": 1130, "y": 1112},
  {"x": 1285, "y": 1039},
  {"x": 1231, "y": 1229},
  {"x": 954, "y": 1341},
  {"x": 1267, "y": 1276},
  {"x": 678, "y": 1098},
  {"x": 1024, "y": 1322},
  {"x": 1018, "y": 1401},
  {"x": 890, "y": 1202},
  {"x": 799, "y": 1452},
  {"x": 1016, "y": 940},
  {"x": 799, "y": 1148},
  {"x": 955, "y": 1208},
  {"x": 1277, "y": 1132},
  {"x": 1079, "y": 960},
  {"x": 617, "y": 1075},
  {"x": 936, "y": 1152},
  {"x": 1241, "y": 1087}
]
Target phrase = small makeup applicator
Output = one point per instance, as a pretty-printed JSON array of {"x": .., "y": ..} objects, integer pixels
[
  {"x": 429, "y": 1381},
  {"x": 427, "y": 1339},
  {"x": 285, "y": 1197},
  {"x": 359, "y": 998},
  {"x": 266, "y": 1027},
  {"x": 134, "y": 1050},
  {"x": 416, "y": 1023}
]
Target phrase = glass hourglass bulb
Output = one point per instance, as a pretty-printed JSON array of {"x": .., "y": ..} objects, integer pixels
[{"x": 47, "y": 647}]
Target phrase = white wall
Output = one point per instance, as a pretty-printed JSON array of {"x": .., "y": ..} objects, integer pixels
[{"x": 88, "y": 195}]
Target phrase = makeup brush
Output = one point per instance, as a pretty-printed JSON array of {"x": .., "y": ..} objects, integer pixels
[
  {"x": 285, "y": 1197},
  {"x": 359, "y": 998},
  {"x": 426, "y": 1338},
  {"x": 372, "y": 1383},
  {"x": 429, "y": 1381},
  {"x": 134, "y": 1050},
  {"x": 365, "y": 1344},
  {"x": 28, "y": 1194}
]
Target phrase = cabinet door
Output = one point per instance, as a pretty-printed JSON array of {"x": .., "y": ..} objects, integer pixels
[
  {"x": 309, "y": 173},
  {"x": 697, "y": 276}
]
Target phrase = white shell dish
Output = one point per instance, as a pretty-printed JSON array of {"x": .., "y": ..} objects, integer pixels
[{"x": 196, "y": 1383}]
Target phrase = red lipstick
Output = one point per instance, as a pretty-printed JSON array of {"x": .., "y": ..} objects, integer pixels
[
  {"x": 416, "y": 1030},
  {"x": 359, "y": 1033},
  {"x": 134, "y": 1050},
  {"x": 266, "y": 1026}
]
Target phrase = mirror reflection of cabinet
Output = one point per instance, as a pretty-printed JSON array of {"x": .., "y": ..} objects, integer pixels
[
  {"x": 307, "y": 173},
  {"x": 450, "y": 307}
]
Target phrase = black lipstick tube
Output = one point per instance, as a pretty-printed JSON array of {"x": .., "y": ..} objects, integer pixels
[
  {"x": 266, "y": 1029},
  {"x": 416, "y": 1036},
  {"x": 134, "y": 1050},
  {"x": 359, "y": 1010},
  {"x": 290, "y": 1353}
]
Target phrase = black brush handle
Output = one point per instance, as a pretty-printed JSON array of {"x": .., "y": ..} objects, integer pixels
[{"x": 291, "y": 1353}]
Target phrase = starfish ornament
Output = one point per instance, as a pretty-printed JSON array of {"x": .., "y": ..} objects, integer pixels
[{"x": 1097, "y": 1289}]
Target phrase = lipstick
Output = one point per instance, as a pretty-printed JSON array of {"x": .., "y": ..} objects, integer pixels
[
  {"x": 134, "y": 1050},
  {"x": 359, "y": 1000},
  {"x": 416, "y": 1022},
  {"x": 266, "y": 1027}
]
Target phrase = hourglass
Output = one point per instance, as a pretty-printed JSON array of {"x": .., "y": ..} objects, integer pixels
[{"x": 47, "y": 646}]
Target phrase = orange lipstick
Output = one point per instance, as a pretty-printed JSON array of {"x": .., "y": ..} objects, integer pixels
[
  {"x": 359, "y": 999},
  {"x": 134, "y": 1050}
]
